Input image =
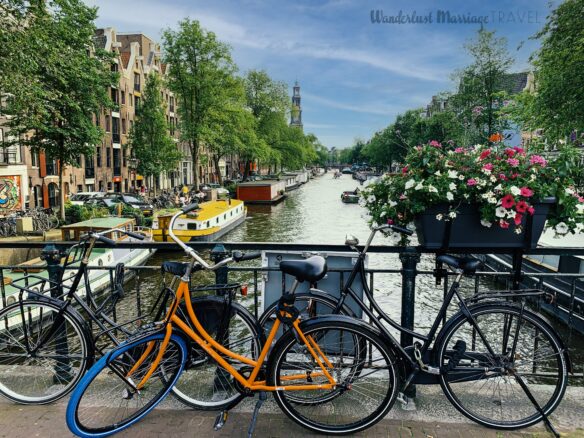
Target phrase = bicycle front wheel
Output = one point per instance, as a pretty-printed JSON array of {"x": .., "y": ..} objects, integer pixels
[
  {"x": 358, "y": 359},
  {"x": 493, "y": 369},
  {"x": 44, "y": 351},
  {"x": 107, "y": 401}
]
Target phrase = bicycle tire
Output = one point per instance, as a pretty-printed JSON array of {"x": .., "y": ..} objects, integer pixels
[
  {"x": 84, "y": 413},
  {"x": 46, "y": 377},
  {"x": 484, "y": 400},
  {"x": 204, "y": 385},
  {"x": 350, "y": 407}
]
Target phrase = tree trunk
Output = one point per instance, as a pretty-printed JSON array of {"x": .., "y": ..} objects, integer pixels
[
  {"x": 246, "y": 169},
  {"x": 216, "y": 159},
  {"x": 195, "y": 156},
  {"x": 61, "y": 192}
]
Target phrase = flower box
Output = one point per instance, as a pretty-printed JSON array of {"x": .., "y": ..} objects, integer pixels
[{"x": 466, "y": 230}]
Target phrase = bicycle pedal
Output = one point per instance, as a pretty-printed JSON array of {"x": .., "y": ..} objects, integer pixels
[
  {"x": 401, "y": 397},
  {"x": 220, "y": 420}
]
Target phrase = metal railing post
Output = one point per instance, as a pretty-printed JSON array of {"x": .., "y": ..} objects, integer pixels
[
  {"x": 219, "y": 253},
  {"x": 409, "y": 259},
  {"x": 52, "y": 256}
]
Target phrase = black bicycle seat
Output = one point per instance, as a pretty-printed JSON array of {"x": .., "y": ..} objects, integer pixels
[
  {"x": 311, "y": 269},
  {"x": 467, "y": 264}
]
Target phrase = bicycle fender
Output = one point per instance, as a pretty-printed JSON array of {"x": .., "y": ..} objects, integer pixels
[{"x": 452, "y": 320}]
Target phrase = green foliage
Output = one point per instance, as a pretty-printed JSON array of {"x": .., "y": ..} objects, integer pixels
[
  {"x": 264, "y": 95},
  {"x": 125, "y": 210},
  {"x": 78, "y": 213},
  {"x": 55, "y": 85},
  {"x": 504, "y": 183},
  {"x": 200, "y": 68},
  {"x": 557, "y": 106},
  {"x": 149, "y": 138}
]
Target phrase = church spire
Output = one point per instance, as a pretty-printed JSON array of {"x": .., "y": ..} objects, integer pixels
[{"x": 296, "y": 114}]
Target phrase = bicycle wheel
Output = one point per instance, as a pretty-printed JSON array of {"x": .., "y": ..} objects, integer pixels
[
  {"x": 361, "y": 364},
  {"x": 43, "y": 352},
  {"x": 485, "y": 376},
  {"x": 204, "y": 385},
  {"x": 106, "y": 401},
  {"x": 309, "y": 305}
]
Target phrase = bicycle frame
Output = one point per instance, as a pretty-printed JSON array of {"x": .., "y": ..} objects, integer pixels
[{"x": 216, "y": 350}]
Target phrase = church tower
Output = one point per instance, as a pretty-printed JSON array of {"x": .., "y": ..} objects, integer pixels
[{"x": 296, "y": 114}]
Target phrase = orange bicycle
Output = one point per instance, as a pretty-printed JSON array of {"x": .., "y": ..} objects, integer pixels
[{"x": 331, "y": 374}]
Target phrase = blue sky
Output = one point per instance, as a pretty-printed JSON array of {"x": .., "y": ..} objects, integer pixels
[{"x": 355, "y": 76}]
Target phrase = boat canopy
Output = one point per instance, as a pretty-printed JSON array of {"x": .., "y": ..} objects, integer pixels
[{"x": 74, "y": 231}]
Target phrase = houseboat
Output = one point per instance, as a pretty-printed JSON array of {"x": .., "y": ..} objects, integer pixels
[
  {"x": 209, "y": 222},
  {"x": 291, "y": 181},
  {"x": 99, "y": 279},
  {"x": 566, "y": 308},
  {"x": 261, "y": 192}
]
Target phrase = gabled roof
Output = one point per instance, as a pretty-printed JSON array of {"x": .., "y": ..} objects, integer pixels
[
  {"x": 125, "y": 59},
  {"x": 513, "y": 83}
]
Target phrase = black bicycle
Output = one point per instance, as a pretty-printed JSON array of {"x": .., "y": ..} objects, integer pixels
[{"x": 498, "y": 362}]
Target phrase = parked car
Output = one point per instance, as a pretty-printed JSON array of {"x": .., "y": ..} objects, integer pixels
[
  {"x": 221, "y": 191},
  {"x": 133, "y": 200},
  {"x": 347, "y": 170},
  {"x": 101, "y": 202},
  {"x": 80, "y": 198}
]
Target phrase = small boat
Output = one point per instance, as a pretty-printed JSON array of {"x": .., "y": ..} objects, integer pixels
[
  {"x": 99, "y": 279},
  {"x": 347, "y": 170},
  {"x": 350, "y": 197},
  {"x": 261, "y": 192},
  {"x": 209, "y": 222}
]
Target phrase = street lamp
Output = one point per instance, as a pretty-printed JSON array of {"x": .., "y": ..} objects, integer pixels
[{"x": 133, "y": 165}]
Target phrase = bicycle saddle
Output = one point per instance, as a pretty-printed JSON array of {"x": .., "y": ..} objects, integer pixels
[
  {"x": 311, "y": 269},
  {"x": 467, "y": 264}
]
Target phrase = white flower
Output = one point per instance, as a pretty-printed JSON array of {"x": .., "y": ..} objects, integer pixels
[
  {"x": 580, "y": 208},
  {"x": 392, "y": 203},
  {"x": 562, "y": 228},
  {"x": 518, "y": 230},
  {"x": 486, "y": 171},
  {"x": 449, "y": 196},
  {"x": 452, "y": 186},
  {"x": 382, "y": 214},
  {"x": 493, "y": 179},
  {"x": 510, "y": 214},
  {"x": 432, "y": 189},
  {"x": 485, "y": 223},
  {"x": 481, "y": 183},
  {"x": 410, "y": 183},
  {"x": 420, "y": 186},
  {"x": 452, "y": 214},
  {"x": 515, "y": 190},
  {"x": 439, "y": 217},
  {"x": 501, "y": 212},
  {"x": 452, "y": 174},
  {"x": 466, "y": 196},
  {"x": 371, "y": 199},
  {"x": 532, "y": 177},
  {"x": 569, "y": 191},
  {"x": 498, "y": 188},
  {"x": 461, "y": 177},
  {"x": 492, "y": 200},
  {"x": 437, "y": 173}
]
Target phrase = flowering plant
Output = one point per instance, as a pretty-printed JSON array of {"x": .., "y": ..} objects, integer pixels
[{"x": 504, "y": 183}]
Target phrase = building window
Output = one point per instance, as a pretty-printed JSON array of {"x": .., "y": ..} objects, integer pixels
[
  {"x": 114, "y": 94},
  {"x": 116, "y": 129},
  {"x": 98, "y": 156},
  {"x": 107, "y": 123},
  {"x": 137, "y": 102},
  {"x": 53, "y": 195},
  {"x": 123, "y": 97},
  {"x": 137, "y": 82},
  {"x": 34, "y": 159},
  {"x": 108, "y": 157},
  {"x": 123, "y": 126},
  {"x": 97, "y": 120},
  {"x": 171, "y": 104}
]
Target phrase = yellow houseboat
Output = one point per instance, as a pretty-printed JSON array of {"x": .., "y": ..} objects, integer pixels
[{"x": 212, "y": 220}]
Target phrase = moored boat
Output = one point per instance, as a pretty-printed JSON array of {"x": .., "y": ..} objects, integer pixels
[
  {"x": 209, "y": 222},
  {"x": 99, "y": 279},
  {"x": 350, "y": 197},
  {"x": 262, "y": 191}
]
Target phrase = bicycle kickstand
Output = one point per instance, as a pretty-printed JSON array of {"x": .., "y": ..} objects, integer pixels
[{"x": 256, "y": 411}]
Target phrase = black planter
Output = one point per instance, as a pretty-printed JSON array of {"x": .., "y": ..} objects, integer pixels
[{"x": 466, "y": 230}]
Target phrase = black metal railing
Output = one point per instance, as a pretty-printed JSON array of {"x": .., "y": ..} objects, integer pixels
[
  {"x": 8, "y": 156},
  {"x": 567, "y": 309}
]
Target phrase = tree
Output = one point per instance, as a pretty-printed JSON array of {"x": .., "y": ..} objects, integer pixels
[
  {"x": 62, "y": 84},
  {"x": 149, "y": 137},
  {"x": 200, "y": 66},
  {"x": 557, "y": 106},
  {"x": 480, "y": 96}
]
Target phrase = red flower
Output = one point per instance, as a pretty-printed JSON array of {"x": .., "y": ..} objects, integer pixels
[
  {"x": 503, "y": 224},
  {"x": 518, "y": 218},
  {"x": 390, "y": 222},
  {"x": 521, "y": 206},
  {"x": 508, "y": 201},
  {"x": 531, "y": 210},
  {"x": 526, "y": 192},
  {"x": 485, "y": 154},
  {"x": 405, "y": 170},
  {"x": 510, "y": 152}
]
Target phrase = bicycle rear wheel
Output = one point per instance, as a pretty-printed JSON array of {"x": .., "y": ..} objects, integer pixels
[
  {"x": 361, "y": 364},
  {"x": 106, "y": 400},
  {"x": 44, "y": 351},
  {"x": 485, "y": 375}
]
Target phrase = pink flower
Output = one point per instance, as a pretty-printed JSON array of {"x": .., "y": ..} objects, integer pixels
[
  {"x": 435, "y": 144},
  {"x": 488, "y": 166},
  {"x": 510, "y": 152},
  {"x": 471, "y": 182},
  {"x": 526, "y": 192},
  {"x": 502, "y": 176},
  {"x": 405, "y": 170},
  {"x": 503, "y": 224},
  {"x": 531, "y": 210},
  {"x": 390, "y": 222},
  {"x": 402, "y": 196},
  {"x": 518, "y": 218},
  {"x": 514, "y": 175},
  {"x": 580, "y": 199},
  {"x": 538, "y": 159},
  {"x": 521, "y": 206},
  {"x": 459, "y": 150},
  {"x": 519, "y": 150},
  {"x": 485, "y": 154},
  {"x": 513, "y": 162},
  {"x": 508, "y": 201}
]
